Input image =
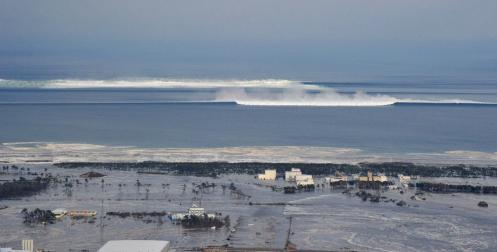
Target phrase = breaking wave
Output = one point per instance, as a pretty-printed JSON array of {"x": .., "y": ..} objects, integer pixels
[
  {"x": 264, "y": 92},
  {"x": 53, "y": 152},
  {"x": 149, "y": 83},
  {"x": 323, "y": 97}
]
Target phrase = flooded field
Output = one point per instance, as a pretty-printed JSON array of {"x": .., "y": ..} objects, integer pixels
[{"x": 325, "y": 219}]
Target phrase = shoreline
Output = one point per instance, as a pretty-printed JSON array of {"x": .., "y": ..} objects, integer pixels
[{"x": 52, "y": 152}]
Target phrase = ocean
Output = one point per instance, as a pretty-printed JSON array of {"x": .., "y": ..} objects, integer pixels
[
  {"x": 52, "y": 121},
  {"x": 166, "y": 113}
]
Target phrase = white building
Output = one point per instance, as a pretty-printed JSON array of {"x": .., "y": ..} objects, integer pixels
[
  {"x": 135, "y": 246},
  {"x": 268, "y": 175},
  {"x": 12, "y": 250},
  {"x": 195, "y": 210},
  {"x": 178, "y": 216},
  {"x": 290, "y": 176},
  {"x": 373, "y": 178},
  {"x": 336, "y": 178},
  {"x": 27, "y": 246},
  {"x": 380, "y": 178},
  {"x": 59, "y": 212},
  {"x": 192, "y": 211},
  {"x": 404, "y": 179},
  {"x": 304, "y": 180}
]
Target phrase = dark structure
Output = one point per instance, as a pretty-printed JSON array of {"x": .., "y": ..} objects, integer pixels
[
  {"x": 23, "y": 187},
  {"x": 289, "y": 189},
  {"x": 482, "y": 204},
  {"x": 450, "y": 188},
  {"x": 38, "y": 216}
]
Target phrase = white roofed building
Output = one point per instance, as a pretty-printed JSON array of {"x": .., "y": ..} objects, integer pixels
[
  {"x": 27, "y": 246},
  {"x": 268, "y": 175},
  {"x": 192, "y": 211},
  {"x": 404, "y": 179},
  {"x": 304, "y": 180},
  {"x": 59, "y": 212},
  {"x": 195, "y": 210},
  {"x": 13, "y": 250},
  {"x": 290, "y": 176},
  {"x": 135, "y": 246},
  {"x": 380, "y": 178},
  {"x": 373, "y": 178},
  {"x": 336, "y": 178}
]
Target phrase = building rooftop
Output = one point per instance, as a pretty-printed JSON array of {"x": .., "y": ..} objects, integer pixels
[{"x": 135, "y": 246}]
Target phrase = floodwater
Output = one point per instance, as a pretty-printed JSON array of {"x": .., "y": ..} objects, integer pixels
[{"x": 325, "y": 219}]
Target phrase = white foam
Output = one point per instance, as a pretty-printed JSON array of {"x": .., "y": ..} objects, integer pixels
[
  {"x": 443, "y": 101},
  {"x": 243, "y": 92},
  {"x": 149, "y": 83},
  {"x": 296, "y": 96},
  {"x": 42, "y": 152},
  {"x": 302, "y": 97}
]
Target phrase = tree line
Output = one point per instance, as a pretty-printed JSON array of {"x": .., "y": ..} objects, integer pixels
[{"x": 212, "y": 169}]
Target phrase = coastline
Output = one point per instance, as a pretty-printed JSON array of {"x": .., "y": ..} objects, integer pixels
[{"x": 51, "y": 152}]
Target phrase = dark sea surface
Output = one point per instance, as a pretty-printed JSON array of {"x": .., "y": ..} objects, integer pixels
[{"x": 423, "y": 118}]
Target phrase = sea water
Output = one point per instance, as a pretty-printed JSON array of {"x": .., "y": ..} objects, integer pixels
[{"x": 373, "y": 117}]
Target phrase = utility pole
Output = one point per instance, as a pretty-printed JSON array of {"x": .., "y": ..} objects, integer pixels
[
  {"x": 289, "y": 246},
  {"x": 101, "y": 221}
]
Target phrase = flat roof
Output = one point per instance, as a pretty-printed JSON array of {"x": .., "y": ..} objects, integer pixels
[{"x": 135, "y": 246}]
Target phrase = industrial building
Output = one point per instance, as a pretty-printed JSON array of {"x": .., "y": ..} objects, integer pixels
[
  {"x": 290, "y": 176},
  {"x": 268, "y": 175},
  {"x": 304, "y": 180},
  {"x": 373, "y": 178}
]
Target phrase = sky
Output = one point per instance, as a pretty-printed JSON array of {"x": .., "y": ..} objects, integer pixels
[{"x": 369, "y": 40}]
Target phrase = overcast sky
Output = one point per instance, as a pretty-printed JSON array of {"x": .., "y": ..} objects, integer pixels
[{"x": 311, "y": 40}]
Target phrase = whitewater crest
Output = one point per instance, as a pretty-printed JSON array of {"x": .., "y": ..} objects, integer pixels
[
  {"x": 303, "y": 97},
  {"x": 148, "y": 83},
  {"x": 263, "y": 92},
  {"x": 322, "y": 96},
  {"x": 53, "y": 152}
]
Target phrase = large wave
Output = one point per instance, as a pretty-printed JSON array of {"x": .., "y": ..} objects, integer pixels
[
  {"x": 264, "y": 92},
  {"x": 321, "y": 97},
  {"x": 302, "y": 97},
  {"x": 149, "y": 83}
]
